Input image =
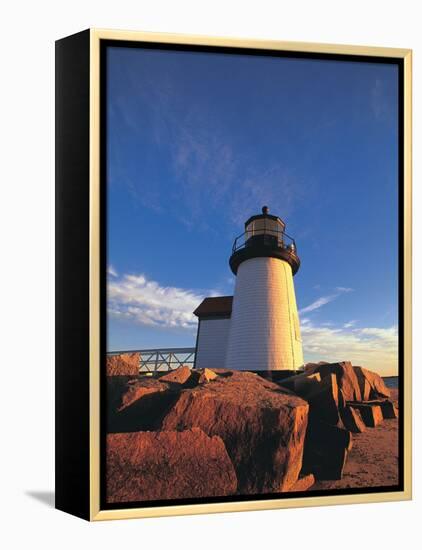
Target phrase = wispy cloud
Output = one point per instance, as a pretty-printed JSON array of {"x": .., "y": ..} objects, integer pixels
[
  {"x": 350, "y": 324},
  {"x": 206, "y": 158},
  {"x": 323, "y": 300},
  {"x": 371, "y": 347},
  {"x": 137, "y": 299},
  {"x": 344, "y": 289},
  {"x": 111, "y": 271},
  {"x": 214, "y": 174}
]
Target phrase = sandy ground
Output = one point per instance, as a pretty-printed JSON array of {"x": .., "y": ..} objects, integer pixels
[{"x": 373, "y": 460}]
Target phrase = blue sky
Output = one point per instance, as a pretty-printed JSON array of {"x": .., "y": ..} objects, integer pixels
[{"x": 198, "y": 142}]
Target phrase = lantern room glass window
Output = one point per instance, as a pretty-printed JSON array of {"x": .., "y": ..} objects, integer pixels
[{"x": 265, "y": 226}]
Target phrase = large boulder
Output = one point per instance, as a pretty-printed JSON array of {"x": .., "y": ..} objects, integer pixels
[
  {"x": 388, "y": 409},
  {"x": 137, "y": 404},
  {"x": 326, "y": 449},
  {"x": 377, "y": 387},
  {"x": 303, "y": 484},
  {"x": 262, "y": 426},
  {"x": 371, "y": 413},
  {"x": 124, "y": 364},
  {"x": 364, "y": 385},
  {"x": 301, "y": 384},
  {"x": 352, "y": 420},
  {"x": 136, "y": 389},
  {"x": 116, "y": 387},
  {"x": 322, "y": 394},
  {"x": 147, "y": 466},
  {"x": 346, "y": 377}
]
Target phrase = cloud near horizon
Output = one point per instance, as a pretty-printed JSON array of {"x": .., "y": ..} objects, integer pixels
[
  {"x": 136, "y": 299},
  {"x": 370, "y": 347}
]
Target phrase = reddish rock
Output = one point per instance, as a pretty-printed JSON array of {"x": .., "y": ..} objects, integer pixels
[
  {"x": 223, "y": 372},
  {"x": 322, "y": 394},
  {"x": 301, "y": 384},
  {"x": 116, "y": 387},
  {"x": 326, "y": 449},
  {"x": 137, "y": 404},
  {"x": 310, "y": 366},
  {"x": 323, "y": 400},
  {"x": 146, "y": 466},
  {"x": 371, "y": 413},
  {"x": 304, "y": 382},
  {"x": 125, "y": 364},
  {"x": 206, "y": 375},
  {"x": 136, "y": 389},
  {"x": 388, "y": 409},
  {"x": 303, "y": 484},
  {"x": 377, "y": 385},
  {"x": 352, "y": 420},
  {"x": 346, "y": 378},
  {"x": 364, "y": 385},
  {"x": 262, "y": 426},
  {"x": 178, "y": 376}
]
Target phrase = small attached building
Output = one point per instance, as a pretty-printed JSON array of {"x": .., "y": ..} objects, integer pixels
[{"x": 213, "y": 331}]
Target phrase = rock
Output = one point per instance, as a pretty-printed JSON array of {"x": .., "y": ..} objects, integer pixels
[
  {"x": 352, "y": 420},
  {"x": 388, "y": 409},
  {"x": 322, "y": 394},
  {"x": 262, "y": 426},
  {"x": 346, "y": 378},
  {"x": 303, "y": 484},
  {"x": 323, "y": 400},
  {"x": 310, "y": 366},
  {"x": 135, "y": 389},
  {"x": 206, "y": 376},
  {"x": 146, "y": 466},
  {"x": 306, "y": 382},
  {"x": 326, "y": 449},
  {"x": 378, "y": 387},
  {"x": 371, "y": 413},
  {"x": 178, "y": 376},
  {"x": 364, "y": 385},
  {"x": 301, "y": 383},
  {"x": 124, "y": 364},
  {"x": 116, "y": 387},
  {"x": 137, "y": 404},
  {"x": 276, "y": 376}
]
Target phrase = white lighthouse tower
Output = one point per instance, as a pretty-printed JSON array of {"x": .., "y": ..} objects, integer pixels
[{"x": 264, "y": 328}]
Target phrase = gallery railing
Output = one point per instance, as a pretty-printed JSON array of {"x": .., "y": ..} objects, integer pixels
[
  {"x": 265, "y": 237},
  {"x": 163, "y": 359}
]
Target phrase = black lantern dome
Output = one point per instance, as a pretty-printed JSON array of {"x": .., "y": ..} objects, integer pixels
[{"x": 264, "y": 236}]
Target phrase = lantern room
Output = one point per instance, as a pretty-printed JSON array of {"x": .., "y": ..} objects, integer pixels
[
  {"x": 264, "y": 236},
  {"x": 264, "y": 228}
]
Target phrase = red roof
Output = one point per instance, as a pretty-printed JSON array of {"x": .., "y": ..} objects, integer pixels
[{"x": 219, "y": 306}]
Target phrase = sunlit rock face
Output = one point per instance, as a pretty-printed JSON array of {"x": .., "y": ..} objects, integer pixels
[
  {"x": 124, "y": 364},
  {"x": 143, "y": 466},
  {"x": 262, "y": 426}
]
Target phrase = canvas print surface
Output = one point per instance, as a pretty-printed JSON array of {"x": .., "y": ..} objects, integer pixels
[{"x": 253, "y": 276}]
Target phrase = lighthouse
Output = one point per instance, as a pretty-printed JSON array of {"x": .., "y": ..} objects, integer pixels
[{"x": 264, "y": 331}]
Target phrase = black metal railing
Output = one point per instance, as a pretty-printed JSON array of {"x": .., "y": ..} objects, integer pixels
[{"x": 265, "y": 237}]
